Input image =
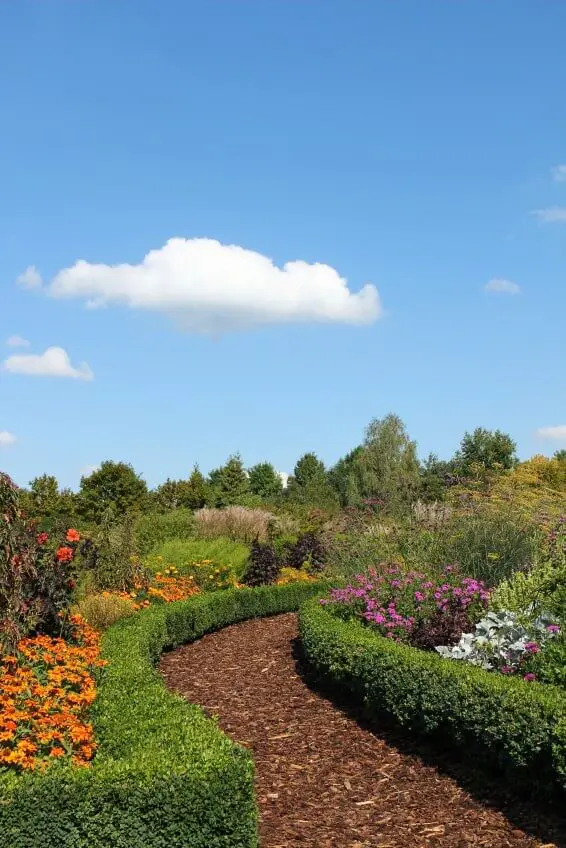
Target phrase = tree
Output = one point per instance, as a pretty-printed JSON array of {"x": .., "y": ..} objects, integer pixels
[
  {"x": 388, "y": 462},
  {"x": 435, "y": 476},
  {"x": 490, "y": 449},
  {"x": 230, "y": 481},
  {"x": 170, "y": 495},
  {"x": 46, "y": 503},
  {"x": 560, "y": 455},
  {"x": 344, "y": 477},
  {"x": 310, "y": 484},
  {"x": 199, "y": 490},
  {"x": 114, "y": 486},
  {"x": 264, "y": 481}
]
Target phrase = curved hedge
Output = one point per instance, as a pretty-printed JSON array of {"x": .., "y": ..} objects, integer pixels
[
  {"x": 517, "y": 727},
  {"x": 165, "y": 776}
]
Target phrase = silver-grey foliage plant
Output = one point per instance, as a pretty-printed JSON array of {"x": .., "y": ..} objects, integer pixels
[{"x": 501, "y": 640}]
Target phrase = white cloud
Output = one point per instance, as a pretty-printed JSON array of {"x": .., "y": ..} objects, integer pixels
[
  {"x": 551, "y": 215},
  {"x": 500, "y": 286},
  {"x": 17, "y": 341},
  {"x": 6, "y": 439},
  {"x": 211, "y": 287},
  {"x": 30, "y": 279},
  {"x": 557, "y": 434},
  {"x": 54, "y": 362},
  {"x": 559, "y": 173}
]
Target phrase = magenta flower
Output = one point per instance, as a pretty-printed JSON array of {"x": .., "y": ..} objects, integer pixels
[
  {"x": 530, "y": 677},
  {"x": 506, "y": 669},
  {"x": 553, "y": 628},
  {"x": 532, "y": 648}
]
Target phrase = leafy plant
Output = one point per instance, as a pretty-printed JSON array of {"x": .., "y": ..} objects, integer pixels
[
  {"x": 264, "y": 566},
  {"x": 502, "y": 642},
  {"x": 37, "y": 577},
  {"x": 308, "y": 551},
  {"x": 154, "y": 529}
]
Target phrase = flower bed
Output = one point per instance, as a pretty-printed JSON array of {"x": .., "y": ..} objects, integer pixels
[
  {"x": 517, "y": 727},
  {"x": 46, "y": 689},
  {"x": 164, "y": 774}
]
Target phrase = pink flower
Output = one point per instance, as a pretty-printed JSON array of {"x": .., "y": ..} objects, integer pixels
[
  {"x": 419, "y": 596},
  {"x": 530, "y": 677},
  {"x": 506, "y": 669},
  {"x": 553, "y": 628},
  {"x": 532, "y": 648}
]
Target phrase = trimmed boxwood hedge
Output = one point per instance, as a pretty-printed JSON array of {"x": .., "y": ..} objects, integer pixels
[
  {"x": 504, "y": 723},
  {"x": 165, "y": 776}
]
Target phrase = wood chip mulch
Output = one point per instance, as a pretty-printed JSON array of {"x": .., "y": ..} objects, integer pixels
[{"x": 323, "y": 779}]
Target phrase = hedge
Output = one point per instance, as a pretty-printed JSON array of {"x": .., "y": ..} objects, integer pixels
[
  {"x": 516, "y": 727},
  {"x": 165, "y": 776}
]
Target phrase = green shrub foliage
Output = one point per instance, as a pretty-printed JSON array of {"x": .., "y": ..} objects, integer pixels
[
  {"x": 164, "y": 775},
  {"x": 515, "y": 727}
]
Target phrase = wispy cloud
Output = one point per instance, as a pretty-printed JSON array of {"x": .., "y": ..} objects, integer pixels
[
  {"x": 17, "y": 341},
  {"x": 559, "y": 173},
  {"x": 55, "y": 362},
  {"x": 551, "y": 215},
  {"x": 209, "y": 287},
  {"x": 30, "y": 278},
  {"x": 557, "y": 433},
  {"x": 499, "y": 285},
  {"x": 6, "y": 439}
]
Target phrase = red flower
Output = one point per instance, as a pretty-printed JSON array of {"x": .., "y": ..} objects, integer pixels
[
  {"x": 71, "y": 584},
  {"x": 73, "y": 536},
  {"x": 42, "y": 538},
  {"x": 64, "y": 554}
]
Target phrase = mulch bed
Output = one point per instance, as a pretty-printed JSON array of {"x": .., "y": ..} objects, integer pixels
[{"x": 323, "y": 779}]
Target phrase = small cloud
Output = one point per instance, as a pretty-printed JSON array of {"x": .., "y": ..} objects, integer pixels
[
  {"x": 559, "y": 173},
  {"x": 556, "y": 434},
  {"x": 17, "y": 341},
  {"x": 54, "y": 362},
  {"x": 551, "y": 215},
  {"x": 6, "y": 439},
  {"x": 30, "y": 279},
  {"x": 88, "y": 470},
  {"x": 499, "y": 285},
  {"x": 209, "y": 287}
]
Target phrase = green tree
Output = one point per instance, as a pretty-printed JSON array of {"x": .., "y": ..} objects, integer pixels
[
  {"x": 388, "y": 463},
  {"x": 344, "y": 477},
  {"x": 560, "y": 455},
  {"x": 170, "y": 495},
  {"x": 230, "y": 481},
  {"x": 264, "y": 481},
  {"x": 47, "y": 504},
  {"x": 434, "y": 473},
  {"x": 490, "y": 449},
  {"x": 199, "y": 490},
  {"x": 114, "y": 486},
  {"x": 310, "y": 484}
]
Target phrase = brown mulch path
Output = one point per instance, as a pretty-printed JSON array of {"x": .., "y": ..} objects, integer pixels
[{"x": 322, "y": 778}]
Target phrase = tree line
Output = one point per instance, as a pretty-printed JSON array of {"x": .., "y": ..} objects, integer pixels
[{"x": 385, "y": 468}]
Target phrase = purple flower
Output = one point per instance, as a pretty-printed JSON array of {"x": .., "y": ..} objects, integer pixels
[
  {"x": 419, "y": 596},
  {"x": 506, "y": 669},
  {"x": 553, "y": 628},
  {"x": 530, "y": 677},
  {"x": 532, "y": 648}
]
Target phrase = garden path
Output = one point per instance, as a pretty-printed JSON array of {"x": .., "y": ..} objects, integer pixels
[{"x": 322, "y": 778}]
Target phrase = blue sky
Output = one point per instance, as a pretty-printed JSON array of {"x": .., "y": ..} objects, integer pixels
[{"x": 412, "y": 146}]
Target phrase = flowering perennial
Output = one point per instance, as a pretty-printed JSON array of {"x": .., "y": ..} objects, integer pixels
[{"x": 46, "y": 689}]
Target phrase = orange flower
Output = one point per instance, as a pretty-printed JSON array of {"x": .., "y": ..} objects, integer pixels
[
  {"x": 64, "y": 554},
  {"x": 73, "y": 535}
]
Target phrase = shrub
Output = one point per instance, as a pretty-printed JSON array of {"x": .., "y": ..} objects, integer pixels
[
  {"x": 234, "y": 522},
  {"x": 104, "y": 609},
  {"x": 309, "y": 550},
  {"x": 111, "y": 555},
  {"x": 164, "y": 773},
  {"x": 37, "y": 577},
  {"x": 263, "y": 567},
  {"x": 516, "y": 727},
  {"x": 154, "y": 529}
]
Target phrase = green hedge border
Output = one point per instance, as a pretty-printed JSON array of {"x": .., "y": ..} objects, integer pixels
[
  {"x": 165, "y": 776},
  {"x": 517, "y": 727}
]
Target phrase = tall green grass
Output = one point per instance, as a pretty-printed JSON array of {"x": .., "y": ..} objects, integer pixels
[{"x": 182, "y": 553}]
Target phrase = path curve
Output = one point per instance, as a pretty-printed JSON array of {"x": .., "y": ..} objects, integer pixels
[{"x": 322, "y": 779}]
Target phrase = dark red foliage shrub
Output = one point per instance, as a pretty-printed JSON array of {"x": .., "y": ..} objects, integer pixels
[
  {"x": 308, "y": 549},
  {"x": 263, "y": 567},
  {"x": 36, "y": 576},
  {"x": 444, "y": 627}
]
